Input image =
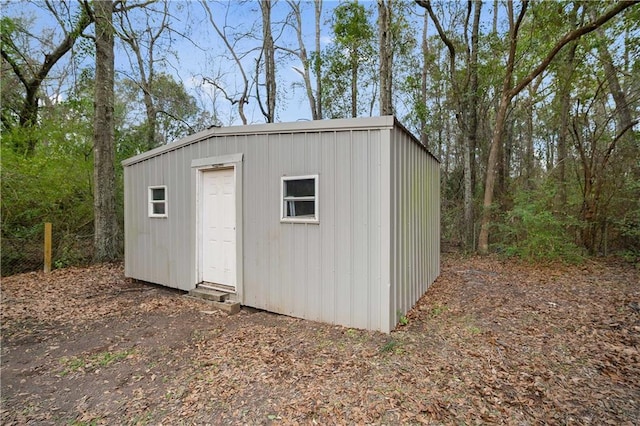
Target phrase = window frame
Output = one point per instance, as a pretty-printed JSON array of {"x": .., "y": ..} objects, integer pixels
[
  {"x": 152, "y": 202},
  {"x": 315, "y": 198}
]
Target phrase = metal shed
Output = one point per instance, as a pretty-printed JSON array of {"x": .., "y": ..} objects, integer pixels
[{"x": 335, "y": 220}]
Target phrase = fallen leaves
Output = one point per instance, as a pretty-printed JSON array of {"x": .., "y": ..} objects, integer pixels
[{"x": 492, "y": 341}]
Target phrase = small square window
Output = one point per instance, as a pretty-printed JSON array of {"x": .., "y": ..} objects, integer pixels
[
  {"x": 299, "y": 199},
  {"x": 157, "y": 201}
]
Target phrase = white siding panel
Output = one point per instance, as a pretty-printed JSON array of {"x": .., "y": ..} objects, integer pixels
[
  {"x": 280, "y": 159},
  {"x": 415, "y": 235},
  {"x": 327, "y": 188},
  {"x": 313, "y": 283},
  {"x": 342, "y": 298},
  {"x": 360, "y": 190},
  {"x": 297, "y": 291},
  {"x": 374, "y": 254},
  {"x": 386, "y": 318},
  {"x": 256, "y": 236}
]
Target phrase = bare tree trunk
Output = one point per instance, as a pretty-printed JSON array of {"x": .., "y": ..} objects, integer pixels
[
  {"x": 563, "y": 131},
  {"x": 492, "y": 169},
  {"x": 471, "y": 129},
  {"x": 466, "y": 101},
  {"x": 529, "y": 155},
  {"x": 305, "y": 73},
  {"x": 565, "y": 78},
  {"x": 496, "y": 139},
  {"x": 269, "y": 60},
  {"x": 145, "y": 66},
  {"x": 622, "y": 106},
  {"x": 317, "y": 64},
  {"x": 529, "y": 159},
  {"x": 107, "y": 235},
  {"x": 145, "y": 85},
  {"x": 386, "y": 57},
  {"x": 243, "y": 97},
  {"x": 494, "y": 26},
  {"x": 424, "y": 75},
  {"x": 354, "y": 84}
]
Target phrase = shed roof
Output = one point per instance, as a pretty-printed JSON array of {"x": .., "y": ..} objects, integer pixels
[{"x": 363, "y": 123}]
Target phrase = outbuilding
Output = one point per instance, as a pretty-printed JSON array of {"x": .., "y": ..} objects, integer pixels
[{"x": 332, "y": 220}]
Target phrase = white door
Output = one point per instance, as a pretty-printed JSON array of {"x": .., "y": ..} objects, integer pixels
[{"x": 219, "y": 227}]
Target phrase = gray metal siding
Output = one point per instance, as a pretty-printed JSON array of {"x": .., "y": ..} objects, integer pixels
[
  {"x": 150, "y": 243},
  {"x": 415, "y": 223},
  {"x": 374, "y": 252}
]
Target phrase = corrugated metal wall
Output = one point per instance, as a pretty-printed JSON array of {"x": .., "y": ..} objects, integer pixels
[
  {"x": 415, "y": 223},
  {"x": 342, "y": 270}
]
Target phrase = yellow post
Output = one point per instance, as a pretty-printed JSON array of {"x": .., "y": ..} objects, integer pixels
[{"x": 47, "y": 247}]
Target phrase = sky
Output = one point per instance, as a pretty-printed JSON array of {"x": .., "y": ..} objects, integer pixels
[{"x": 193, "y": 50}]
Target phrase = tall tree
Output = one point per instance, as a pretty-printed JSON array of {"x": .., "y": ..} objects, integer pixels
[
  {"x": 268, "y": 52},
  {"x": 623, "y": 107},
  {"x": 465, "y": 97},
  {"x": 566, "y": 69},
  {"x": 564, "y": 79},
  {"x": 241, "y": 98},
  {"x": 106, "y": 232},
  {"x": 176, "y": 110},
  {"x": 386, "y": 56},
  {"x": 301, "y": 53},
  {"x": 351, "y": 54},
  {"x": 597, "y": 145},
  {"x": 424, "y": 75},
  {"x": 144, "y": 44},
  {"x": 510, "y": 90},
  {"x": 317, "y": 63},
  {"x": 32, "y": 72}
]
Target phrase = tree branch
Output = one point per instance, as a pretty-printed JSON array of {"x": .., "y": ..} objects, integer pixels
[
  {"x": 443, "y": 36},
  {"x": 612, "y": 145},
  {"x": 569, "y": 37},
  {"x": 14, "y": 66}
]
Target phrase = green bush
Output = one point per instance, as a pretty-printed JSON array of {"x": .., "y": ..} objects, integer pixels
[
  {"x": 534, "y": 232},
  {"x": 52, "y": 185}
]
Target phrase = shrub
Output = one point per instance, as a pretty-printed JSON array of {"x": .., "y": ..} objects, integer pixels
[
  {"x": 534, "y": 232},
  {"x": 52, "y": 185}
]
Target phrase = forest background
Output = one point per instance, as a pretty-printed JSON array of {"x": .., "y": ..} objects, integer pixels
[{"x": 532, "y": 108}]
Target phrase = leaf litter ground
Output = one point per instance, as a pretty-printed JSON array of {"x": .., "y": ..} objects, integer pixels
[{"x": 492, "y": 341}]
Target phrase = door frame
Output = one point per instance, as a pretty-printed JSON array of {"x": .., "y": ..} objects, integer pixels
[{"x": 198, "y": 168}]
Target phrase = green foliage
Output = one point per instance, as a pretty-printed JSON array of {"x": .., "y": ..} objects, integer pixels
[
  {"x": 353, "y": 53},
  {"x": 351, "y": 24},
  {"x": 534, "y": 232},
  {"x": 52, "y": 185},
  {"x": 391, "y": 346},
  {"x": 100, "y": 360},
  {"x": 628, "y": 224},
  {"x": 176, "y": 111},
  {"x": 437, "y": 310}
]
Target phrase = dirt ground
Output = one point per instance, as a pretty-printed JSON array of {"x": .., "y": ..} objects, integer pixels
[{"x": 492, "y": 341}]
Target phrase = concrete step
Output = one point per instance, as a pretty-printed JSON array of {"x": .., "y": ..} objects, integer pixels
[
  {"x": 217, "y": 287},
  {"x": 209, "y": 294},
  {"x": 228, "y": 306}
]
